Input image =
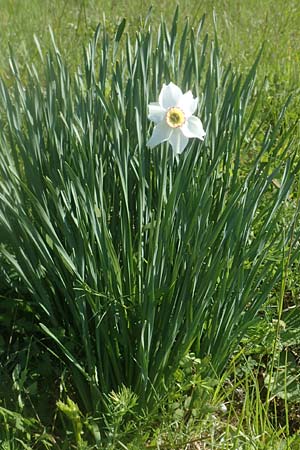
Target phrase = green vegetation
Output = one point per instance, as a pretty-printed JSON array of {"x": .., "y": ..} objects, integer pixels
[
  {"x": 241, "y": 28},
  {"x": 149, "y": 300}
]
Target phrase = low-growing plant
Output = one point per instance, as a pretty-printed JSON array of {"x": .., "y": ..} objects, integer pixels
[
  {"x": 131, "y": 256},
  {"x": 19, "y": 432}
]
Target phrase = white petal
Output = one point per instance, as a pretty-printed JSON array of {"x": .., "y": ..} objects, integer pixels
[
  {"x": 188, "y": 104},
  {"x": 193, "y": 128},
  {"x": 161, "y": 133},
  {"x": 178, "y": 141},
  {"x": 169, "y": 95},
  {"x": 156, "y": 112}
]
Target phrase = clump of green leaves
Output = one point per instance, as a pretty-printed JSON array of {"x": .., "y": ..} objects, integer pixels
[
  {"x": 17, "y": 431},
  {"x": 131, "y": 257}
]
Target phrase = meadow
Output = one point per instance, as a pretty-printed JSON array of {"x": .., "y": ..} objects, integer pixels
[{"x": 149, "y": 294}]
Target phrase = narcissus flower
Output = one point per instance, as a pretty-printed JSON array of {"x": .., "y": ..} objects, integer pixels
[{"x": 173, "y": 116}]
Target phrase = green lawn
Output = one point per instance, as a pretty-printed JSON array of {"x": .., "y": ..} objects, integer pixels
[{"x": 241, "y": 28}]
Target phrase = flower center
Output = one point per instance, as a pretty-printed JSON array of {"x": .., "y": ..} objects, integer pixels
[{"x": 175, "y": 117}]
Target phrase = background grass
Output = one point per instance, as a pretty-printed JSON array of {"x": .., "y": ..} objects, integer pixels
[{"x": 242, "y": 28}]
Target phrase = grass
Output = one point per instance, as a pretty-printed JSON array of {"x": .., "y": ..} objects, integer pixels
[
  {"x": 250, "y": 405},
  {"x": 241, "y": 29}
]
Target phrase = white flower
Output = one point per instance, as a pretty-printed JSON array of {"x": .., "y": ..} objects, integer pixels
[{"x": 173, "y": 116}]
